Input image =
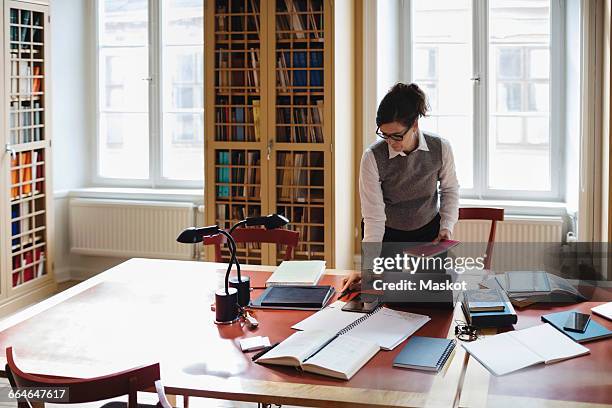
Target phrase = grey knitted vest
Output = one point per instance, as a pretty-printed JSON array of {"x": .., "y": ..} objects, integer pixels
[{"x": 409, "y": 184}]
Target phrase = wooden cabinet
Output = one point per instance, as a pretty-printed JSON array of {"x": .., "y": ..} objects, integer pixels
[
  {"x": 26, "y": 195},
  {"x": 269, "y": 132}
]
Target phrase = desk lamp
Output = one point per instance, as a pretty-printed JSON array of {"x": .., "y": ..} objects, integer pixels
[
  {"x": 226, "y": 300},
  {"x": 243, "y": 285}
]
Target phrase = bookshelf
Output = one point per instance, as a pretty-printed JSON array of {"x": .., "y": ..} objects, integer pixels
[
  {"x": 26, "y": 203},
  {"x": 269, "y": 133}
]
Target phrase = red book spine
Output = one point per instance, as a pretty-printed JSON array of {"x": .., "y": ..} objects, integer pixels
[{"x": 28, "y": 272}]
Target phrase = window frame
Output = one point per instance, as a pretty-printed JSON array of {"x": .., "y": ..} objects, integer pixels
[
  {"x": 480, "y": 78},
  {"x": 155, "y": 104}
]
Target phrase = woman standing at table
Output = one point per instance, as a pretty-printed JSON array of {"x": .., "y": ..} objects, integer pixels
[{"x": 399, "y": 176}]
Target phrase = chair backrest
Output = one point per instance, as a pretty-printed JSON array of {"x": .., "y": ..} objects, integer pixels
[
  {"x": 127, "y": 382},
  {"x": 484, "y": 213},
  {"x": 216, "y": 240},
  {"x": 284, "y": 237}
]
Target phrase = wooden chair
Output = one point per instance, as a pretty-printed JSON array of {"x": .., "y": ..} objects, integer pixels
[
  {"x": 127, "y": 382},
  {"x": 216, "y": 240},
  {"x": 284, "y": 237},
  {"x": 484, "y": 213}
]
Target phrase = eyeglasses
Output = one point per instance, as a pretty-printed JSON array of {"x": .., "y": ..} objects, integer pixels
[
  {"x": 398, "y": 137},
  {"x": 466, "y": 332}
]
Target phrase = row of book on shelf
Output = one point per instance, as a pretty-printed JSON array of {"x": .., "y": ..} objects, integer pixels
[
  {"x": 238, "y": 123},
  {"x": 33, "y": 263},
  {"x": 295, "y": 180},
  {"x": 24, "y": 36},
  {"x": 24, "y": 166},
  {"x": 237, "y": 24},
  {"x": 299, "y": 75},
  {"x": 29, "y": 122},
  {"x": 22, "y": 223},
  {"x": 27, "y": 17},
  {"x": 245, "y": 179},
  {"x": 25, "y": 79},
  {"x": 299, "y": 17},
  {"x": 307, "y": 223},
  {"x": 226, "y": 212},
  {"x": 230, "y": 76},
  {"x": 308, "y": 233},
  {"x": 308, "y": 123},
  {"x": 294, "y": 69}
]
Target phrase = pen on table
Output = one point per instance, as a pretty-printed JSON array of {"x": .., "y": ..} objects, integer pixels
[
  {"x": 321, "y": 348},
  {"x": 345, "y": 292},
  {"x": 264, "y": 351}
]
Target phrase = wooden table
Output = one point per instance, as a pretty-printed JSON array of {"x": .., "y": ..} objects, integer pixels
[
  {"x": 157, "y": 310},
  {"x": 576, "y": 383}
]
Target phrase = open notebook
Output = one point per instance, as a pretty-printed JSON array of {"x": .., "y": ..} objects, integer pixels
[
  {"x": 604, "y": 310},
  {"x": 385, "y": 327},
  {"x": 340, "y": 358},
  {"x": 504, "y": 353}
]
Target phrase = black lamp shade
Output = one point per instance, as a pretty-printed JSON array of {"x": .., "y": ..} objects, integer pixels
[
  {"x": 269, "y": 221},
  {"x": 193, "y": 235}
]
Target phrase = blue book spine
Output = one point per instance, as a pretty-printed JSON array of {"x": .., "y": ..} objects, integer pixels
[
  {"x": 303, "y": 64},
  {"x": 239, "y": 121},
  {"x": 299, "y": 75},
  {"x": 316, "y": 76},
  {"x": 15, "y": 225},
  {"x": 223, "y": 175}
]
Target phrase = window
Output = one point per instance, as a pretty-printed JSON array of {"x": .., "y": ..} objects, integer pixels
[
  {"x": 485, "y": 66},
  {"x": 150, "y": 92}
]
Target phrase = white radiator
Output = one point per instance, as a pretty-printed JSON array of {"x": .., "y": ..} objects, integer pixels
[
  {"x": 521, "y": 243},
  {"x": 512, "y": 229},
  {"x": 123, "y": 228},
  {"x": 522, "y": 230}
]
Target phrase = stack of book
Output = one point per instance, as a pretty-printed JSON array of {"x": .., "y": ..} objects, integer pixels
[
  {"x": 488, "y": 308},
  {"x": 528, "y": 287}
]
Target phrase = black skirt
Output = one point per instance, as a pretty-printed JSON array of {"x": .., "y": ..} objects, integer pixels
[{"x": 426, "y": 233}]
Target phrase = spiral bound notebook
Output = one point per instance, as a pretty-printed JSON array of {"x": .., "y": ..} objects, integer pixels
[
  {"x": 338, "y": 347},
  {"x": 383, "y": 326},
  {"x": 425, "y": 353}
]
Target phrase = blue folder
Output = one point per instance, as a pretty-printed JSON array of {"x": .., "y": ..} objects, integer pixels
[{"x": 594, "y": 330}]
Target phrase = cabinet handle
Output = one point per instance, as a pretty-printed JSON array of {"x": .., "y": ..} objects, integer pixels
[
  {"x": 11, "y": 151},
  {"x": 269, "y": 148}
]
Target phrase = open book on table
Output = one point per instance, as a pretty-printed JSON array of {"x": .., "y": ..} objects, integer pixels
[
  {"x": 511, "y": 351},
  {"x": 322, "y": 352}
]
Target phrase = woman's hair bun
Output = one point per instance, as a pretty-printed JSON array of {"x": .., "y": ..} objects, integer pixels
[{"x": 404, "y": 103}]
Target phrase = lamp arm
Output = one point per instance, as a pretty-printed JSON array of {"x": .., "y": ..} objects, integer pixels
[
  {"x": 233, "y": 259},
  {"x": 231, "y": 231},
  {"x": 238, "y": 224}
]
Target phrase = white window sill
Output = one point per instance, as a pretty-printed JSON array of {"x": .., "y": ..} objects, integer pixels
[
  {"x": 518, "y": 208},
  {"x": 146, "y": 194}
]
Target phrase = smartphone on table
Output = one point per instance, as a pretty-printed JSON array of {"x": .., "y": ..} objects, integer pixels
[
  {"x": 363, "y": 303},
  {"x": 577, "y": 322}
]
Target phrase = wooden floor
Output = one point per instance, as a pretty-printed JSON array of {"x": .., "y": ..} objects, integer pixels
[{"x": 143, "y": 398}]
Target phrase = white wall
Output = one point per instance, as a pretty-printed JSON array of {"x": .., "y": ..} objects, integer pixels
[
  {"x": 71, "y": 108},
  {"x": 70, "y": 79}
]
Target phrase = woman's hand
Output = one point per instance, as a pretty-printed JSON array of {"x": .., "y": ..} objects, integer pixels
[
  {"x": 349, "y": 282},
  {"x": 442, "y": 235}
]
